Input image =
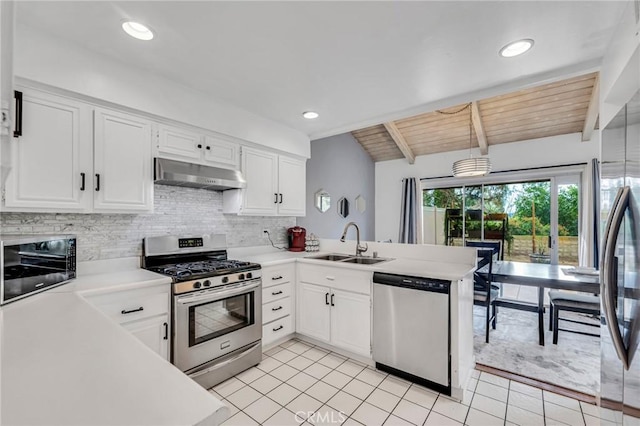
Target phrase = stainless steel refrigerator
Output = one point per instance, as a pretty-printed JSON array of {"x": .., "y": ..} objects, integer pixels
[{"x": 620, "y": 262}]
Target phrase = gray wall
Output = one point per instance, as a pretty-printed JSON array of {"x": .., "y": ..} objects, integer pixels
[
  {"x": 340, "y": 166},
  {"x": 176, "y": 211}
]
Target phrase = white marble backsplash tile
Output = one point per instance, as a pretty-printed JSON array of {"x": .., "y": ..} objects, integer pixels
[{"x": 177, "y": 211}]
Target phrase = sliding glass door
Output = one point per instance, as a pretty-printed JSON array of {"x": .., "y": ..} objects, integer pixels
[{"x": 535, "y": 221}]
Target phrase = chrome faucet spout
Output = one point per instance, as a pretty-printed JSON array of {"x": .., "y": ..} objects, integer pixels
[{"x": 359, "y": 247}]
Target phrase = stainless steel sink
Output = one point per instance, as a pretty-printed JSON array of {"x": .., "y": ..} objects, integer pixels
[
  {"x": 331, "y": 257},
  {"x": 345, "y": 258},
  {"x": 365, "y": 260}
]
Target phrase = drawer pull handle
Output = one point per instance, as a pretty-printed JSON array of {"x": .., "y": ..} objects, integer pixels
[
  {"x": 276, "y": 309},
  {"x": 275, "y": 293},
  {"x": 330, "y": 277},
  {"x": 124, "y": 312},
  {"x": 276, "y": 278},
  {"x": 278, "y": 328}
]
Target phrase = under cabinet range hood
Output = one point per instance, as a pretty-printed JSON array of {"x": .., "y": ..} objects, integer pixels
[{"x": 179, "y": 173}]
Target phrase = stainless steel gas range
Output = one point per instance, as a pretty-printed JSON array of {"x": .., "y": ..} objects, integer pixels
[{"x": 216, "y": 308}]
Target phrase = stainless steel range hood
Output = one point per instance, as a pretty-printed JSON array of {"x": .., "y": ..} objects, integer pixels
[{"x": 178, "y": 173}]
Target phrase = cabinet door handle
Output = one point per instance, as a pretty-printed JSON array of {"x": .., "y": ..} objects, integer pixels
[
  {"x": 17, "y": 131},
  {"x": 332, "y": 299},
  {"x": 82, "y": 179},
  {"x": 275, "y": 293},
  {"x": 326, "y": 298},
  {"x": 97, "y": 181},
  {"x": 199, "y": 146},
  {"x": 280, "y": 199},
  {"x": 276, "y": 309},
  {"x": 125, "y": 312},
  {"x": 208, "y": 148},
  {"x": 277, "y": 277},
  {"x": 166, "y": 331},
  {"x": 275, "y": 201},
  {"x": 278, "y": 328}
]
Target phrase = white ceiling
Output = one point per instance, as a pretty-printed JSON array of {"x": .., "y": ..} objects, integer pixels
[{"x": 356, "y": 63}]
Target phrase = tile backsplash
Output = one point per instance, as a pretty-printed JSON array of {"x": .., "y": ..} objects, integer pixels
[{"x": 177, "y": 210}]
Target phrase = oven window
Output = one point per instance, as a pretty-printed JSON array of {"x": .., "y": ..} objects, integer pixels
[{"x": 214, "y": 319}]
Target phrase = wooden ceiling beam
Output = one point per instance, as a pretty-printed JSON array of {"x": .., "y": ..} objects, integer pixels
[
  {"x": 400, "y": 141},
  {"x": 592, "y": 111},
  {"x": 479, "y": 128}
]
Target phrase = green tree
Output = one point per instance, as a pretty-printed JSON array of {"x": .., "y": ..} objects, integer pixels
[
  {"x": 442, "y": 198},
  {"x": 568, "y": 210},
  {"x": 534, "y": 193}
]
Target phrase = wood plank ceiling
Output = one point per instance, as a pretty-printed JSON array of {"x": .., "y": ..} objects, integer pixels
[{"x": 567, "y": 106}]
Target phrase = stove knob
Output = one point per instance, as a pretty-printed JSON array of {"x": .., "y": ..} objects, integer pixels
[
  {"x": 249, "y": 275},
  {"x": 241, "y": 277},
  {"x": 197, "y": 284},
  {"x": 207, "y": 283},
  {"x": 225, "y": 280}
]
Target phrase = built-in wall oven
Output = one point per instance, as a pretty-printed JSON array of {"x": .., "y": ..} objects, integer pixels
[
  {"x": 216, "y": 309},
  {"x": 31, "y": 264}
]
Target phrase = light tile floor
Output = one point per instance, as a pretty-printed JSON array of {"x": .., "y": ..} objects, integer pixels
[{"x": 297, "y": 383}]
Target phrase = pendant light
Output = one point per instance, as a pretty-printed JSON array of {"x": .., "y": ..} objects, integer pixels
[{"x": 467, "y": 167}]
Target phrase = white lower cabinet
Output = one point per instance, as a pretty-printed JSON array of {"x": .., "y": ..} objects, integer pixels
[
  {"x": 329, "y": 312},
  {"x": 351, "y": 321},
  {"x": 153, "y": 332},
  {"x": 277, "y": 302},
  {"x": 314, "y": 311},
  {"x": 144, "y": 312}
]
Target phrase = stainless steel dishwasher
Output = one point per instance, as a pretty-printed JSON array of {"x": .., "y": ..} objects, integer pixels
[{"x": 411, "y": 337}]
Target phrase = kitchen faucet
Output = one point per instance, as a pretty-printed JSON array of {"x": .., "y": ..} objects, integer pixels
[{"x": 359, "y": 248}]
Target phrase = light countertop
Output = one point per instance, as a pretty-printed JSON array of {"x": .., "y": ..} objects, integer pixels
[
  {"x": 420, "y": 267},
  {"x": 64, "y": 363}
]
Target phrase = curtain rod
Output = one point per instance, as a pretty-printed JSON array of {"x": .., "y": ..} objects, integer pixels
[{"x": 511, "y": 171}]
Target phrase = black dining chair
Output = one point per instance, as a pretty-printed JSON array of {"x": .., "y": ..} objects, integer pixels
[
  {"x": 485, "y": 292},
  {"x": 587, "y": 304}
]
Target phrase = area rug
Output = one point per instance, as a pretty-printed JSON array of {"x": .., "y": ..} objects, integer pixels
[{"x": 573, "y": 363}]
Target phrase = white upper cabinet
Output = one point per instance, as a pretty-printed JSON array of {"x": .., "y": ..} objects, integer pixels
[
  {"x": 276, "y": 185},
  {"x": 179, "y": 144},
  {"x": 292, "y": 186},
  {"x": 122, "y": 162},
  {"x": 260, "y": 170},
  {"x": 51, "y": 167},
  {"x": 221, "y": 152},
  {"x": 68, "y": 161},
  {"x": 185, "y": 145}
]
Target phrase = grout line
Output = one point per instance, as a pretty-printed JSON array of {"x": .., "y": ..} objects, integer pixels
[{"x": 362, "y": 401}]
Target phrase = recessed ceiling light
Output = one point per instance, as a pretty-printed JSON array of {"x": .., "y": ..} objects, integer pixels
[
  {"x": 516, "y": 48},
  {"x": 137, "y": 30},
  {"x": 310, "y": 115}
]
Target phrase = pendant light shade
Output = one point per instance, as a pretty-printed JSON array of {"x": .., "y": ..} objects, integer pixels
[{"x": 472, "y": 167}]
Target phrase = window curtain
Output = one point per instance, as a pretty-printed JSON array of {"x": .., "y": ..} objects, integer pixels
[
  {"x": 590, "y": 215},
  {"x": 411, "y": 212}
]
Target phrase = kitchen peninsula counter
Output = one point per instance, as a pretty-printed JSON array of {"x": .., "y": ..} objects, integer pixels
[{"x": 62, "y": 362}]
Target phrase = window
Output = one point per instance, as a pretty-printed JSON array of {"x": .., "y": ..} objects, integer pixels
[{"x": 536, "y": 219}]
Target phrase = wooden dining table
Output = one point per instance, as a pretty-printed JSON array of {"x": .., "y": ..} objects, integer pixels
[{"x": 542, "y": 276}]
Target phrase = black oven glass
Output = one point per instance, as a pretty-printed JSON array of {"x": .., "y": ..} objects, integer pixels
[
  {"x": 32, "y": 267},
  {"x": 217, "y": 318}
]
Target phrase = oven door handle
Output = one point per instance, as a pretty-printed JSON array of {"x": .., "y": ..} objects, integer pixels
[{"x": 214, "y": 295}]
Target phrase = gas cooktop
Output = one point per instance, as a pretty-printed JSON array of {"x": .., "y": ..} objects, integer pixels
[{"x": 203, "y": 269}]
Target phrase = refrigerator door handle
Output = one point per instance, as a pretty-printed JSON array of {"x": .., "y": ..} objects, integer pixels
[{"x": 608, "y": 278}]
